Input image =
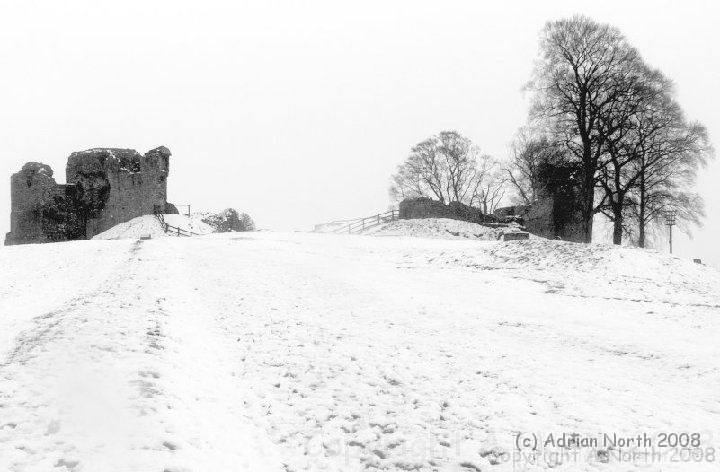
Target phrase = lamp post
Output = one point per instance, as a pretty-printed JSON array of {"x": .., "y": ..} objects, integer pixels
[{"x": 670, "y": 221}]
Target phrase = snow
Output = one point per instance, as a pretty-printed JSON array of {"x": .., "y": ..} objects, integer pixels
[
  {"x": 304, "y": 352},
  {"x": 193, "y": 223},
  {"x": 442, "y": 228},
  {"x": 149, "y": 225},
  {"x": 134, "y": 229}
]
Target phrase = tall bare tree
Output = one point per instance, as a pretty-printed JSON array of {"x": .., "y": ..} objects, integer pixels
[
  {"x": 578, "y": 80},
  {"x": 669, "y": 151},
  {"x": 652, "y": 156},
  {"x": 618, "y": 175}
]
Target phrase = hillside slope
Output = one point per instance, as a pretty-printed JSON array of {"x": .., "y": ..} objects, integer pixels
[{"x": 304, "y": 352}]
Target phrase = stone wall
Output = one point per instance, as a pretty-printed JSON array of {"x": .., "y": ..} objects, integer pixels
[
  {"x": 117, "y": 185},
  {"x": 41, "y": 210},
  {"x": 413, "y": 208},
  {"x": 554, "y": 215},
  {"x": 105, "y": 187},
  {"x": 556, "y": 212}
]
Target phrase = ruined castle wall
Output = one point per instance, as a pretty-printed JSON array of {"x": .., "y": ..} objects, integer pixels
[
  {"x": 29, "y": 188},
  {"x": 117, "y": 185},
  {"x": 412, "y": 208},
  {"x": 557, "y": 211},
  {"x": 105, "y": 187},
  {"x": 551, "y": 217},
  {"x": 538, "y": 219},
  {"x": 41, "y": 210}
]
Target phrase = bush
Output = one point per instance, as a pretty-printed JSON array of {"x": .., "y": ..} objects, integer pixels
[{"x": 230, "y": 220}]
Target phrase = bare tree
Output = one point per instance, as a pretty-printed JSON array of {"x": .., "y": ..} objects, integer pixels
[
  {"x": 653, "y": 155},
  {"x": 491, "y": 185},
  {"x": 458, "y": 158},
  {"x": 669, "y": 153},
  {"x": 421, "y": 175},
  {"x": 620, "y": 131},
  {"x": 450, "y": 168},
  {"x": 578, "y": 80}
]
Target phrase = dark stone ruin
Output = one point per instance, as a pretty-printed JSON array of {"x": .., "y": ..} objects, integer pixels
[
  {"x": 105, "y": 187},
  {"x": 423, "y": 207},
  {"x": 555, "y": 213}
]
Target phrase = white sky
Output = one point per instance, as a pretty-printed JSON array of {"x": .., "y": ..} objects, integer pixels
[{"x": 298, "y": 112}]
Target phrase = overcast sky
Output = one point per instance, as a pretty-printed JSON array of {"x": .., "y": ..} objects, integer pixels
[{"x": 298, "y": 112}]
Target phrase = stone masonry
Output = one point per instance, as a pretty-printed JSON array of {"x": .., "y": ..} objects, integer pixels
[{"x": 105, "y": 187}]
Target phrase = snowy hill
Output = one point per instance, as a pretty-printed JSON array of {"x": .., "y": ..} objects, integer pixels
[{"x": 304, "y": 352}]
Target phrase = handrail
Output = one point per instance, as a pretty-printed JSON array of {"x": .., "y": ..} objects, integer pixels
[{"x": 361, "y": 224}]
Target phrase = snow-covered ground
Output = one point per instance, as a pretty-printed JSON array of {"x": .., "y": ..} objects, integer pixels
[
  {"x": 148, "y": 225},
  {"x": 308, "y": 352},
  {"x": 441, "y": 228}
]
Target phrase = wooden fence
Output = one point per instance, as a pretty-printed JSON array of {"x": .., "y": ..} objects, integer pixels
[
  {"x": 170, "y": 229},
  {"x": 361, "y": 224}
]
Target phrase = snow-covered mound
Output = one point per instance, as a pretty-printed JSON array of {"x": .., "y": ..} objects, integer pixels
[
  {"x": 599, "y": 259},
  {"x": 148, "y": 225},
  {"x": 597, "y": 269},
  {"x": 440, "y": 228},
  {"x": 135, "y": 229},
  {"x": 193, "y": 223}
]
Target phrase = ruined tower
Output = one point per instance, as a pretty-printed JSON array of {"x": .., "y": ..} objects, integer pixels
[{"x": 105, "y": 187}]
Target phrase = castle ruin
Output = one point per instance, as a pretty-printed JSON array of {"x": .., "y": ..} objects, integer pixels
[
  {"x": 554, "y": 214},
  {"x": 105, "y": 187}
]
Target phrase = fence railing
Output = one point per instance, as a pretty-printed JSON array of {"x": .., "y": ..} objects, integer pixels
[
  {"x": 361, "y": 224},
  {"x": 170, "y": 229}
]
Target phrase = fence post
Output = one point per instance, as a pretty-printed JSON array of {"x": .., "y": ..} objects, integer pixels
[{"x": 178, "y": 231}]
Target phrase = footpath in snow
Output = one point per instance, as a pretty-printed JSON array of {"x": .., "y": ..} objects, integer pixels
[{"x": 308, "y": 352}]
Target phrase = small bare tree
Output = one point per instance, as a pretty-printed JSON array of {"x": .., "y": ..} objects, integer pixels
[
  {"x": 491, "y": 185},
  {"x": 449, "y": 168}
]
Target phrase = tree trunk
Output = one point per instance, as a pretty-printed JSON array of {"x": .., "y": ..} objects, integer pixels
[
  {"x": 641, "y": 231},
  {"x": 617, "y": 226},
  {"x": 641, "y": 222},
  {"x": 587, "y": 193}
]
